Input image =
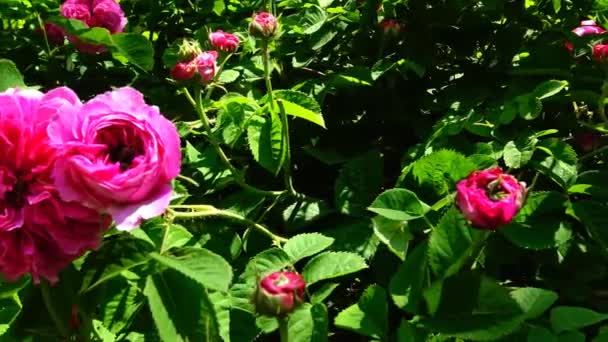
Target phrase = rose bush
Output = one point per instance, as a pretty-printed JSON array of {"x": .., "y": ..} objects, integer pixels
[{"x": 379, "y": 148}]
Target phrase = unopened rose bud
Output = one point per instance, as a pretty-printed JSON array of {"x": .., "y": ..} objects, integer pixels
[
  {"x": 206, "y": 64},
  {"x": 279, "y": 293},
  {"x": 188, "y": 50},
  {"x": 490, "y": 198},
  {"x": 224, "y": 41},
  {"x": 263, "y": 25},
  {"x": 183, "y": 71},
  {"x": 587, "y": 141},
  {"x": 600, "y": 53},
  {"x": 390, "y": 27}
]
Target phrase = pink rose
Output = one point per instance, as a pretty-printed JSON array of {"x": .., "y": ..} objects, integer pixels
[
  {"x": 224, "y": 41},
  {"x": 279, "y": 293},
  {"x": 600, "y": 53},
  {"x": 39, "y": 233},
  {"x": 108, "y": 14},
  {"x": 587, "y": 27},
  {"x": 263, "y": 25},
  {"x": 121, "y": 155},
  {"x": 78, "y": 10},
  {"x": 490, "y": 198},
  {"x": 206, "y": 65},
  {"x": 183, "y": 71}
]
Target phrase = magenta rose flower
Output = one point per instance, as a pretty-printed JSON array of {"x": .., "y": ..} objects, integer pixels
[
  {"x": 183, "y": 71},
  {"x": 120, "y": 157},
  {"x": 94, "y": 13},
  {"x": 40, "y": 233},
  {"x": 490, "y": 198},
  {"x": 587, "y": 27},
  {"x": 206, "y": 64},
  {"x": 279, "y": 293},
  {"x": 54, "y": 33},
  {"x": 263, "y": 25},
  {"x": 224, "y": 41}
]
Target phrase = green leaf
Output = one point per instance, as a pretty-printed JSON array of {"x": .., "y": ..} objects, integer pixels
[
  {"x": 399, "y": 205},
  {"x": 332, "y": 265},
  {"x": 529, "y": 106},
  {"x": 593, "y": 183},
  {"x": 439, "y": 171},
  {"x": 102, "y": 332},
  {"x": 354, "y": 235},
  {"x": 306, "y": 21},
  {"x": 358, "y": 182},
  {"x": 533, "y": 301},
  {"x": 593, "y": 216},
  {"x": 538, "y": 225},
  {"x": 300, "y": 105},
  {"x": 571, "y": 336},
  {"x": 450, "y": 243},
  {"x": 9, "y": 310},
  {"x": 309, "y": 323},
  {"x": 566, "y": 318},
  {"x": 181, "y": 308},
  {"x": 9, "y": 75},
  {"x": 135, "y": 48},
  {"x": 201, "y": 265},
  {"x": 228, "y": 76},
  {"x": 323, "y": 292},
  {"x": 550, "y": 87},
  {"x": 407, "y": 283},
  {"x": 394, "y": 234},
  {"x": 407, "y": 332},
  {"x": 369, "y": 316},
  {"x": 515, "y": 157},
  {"x": 119, "y": 304},
  {"x": 112, "y": 259},
  {"x": 560, "y": 163},
  {"x": 266, "y": 141},
  {"x": 539, "y": 334},
  {"x": 305, "y": 245}
]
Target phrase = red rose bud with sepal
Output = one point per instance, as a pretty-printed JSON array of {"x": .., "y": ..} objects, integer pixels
[
  {"x": 263, "y": 25},
  {"x": 600, "y": 53},
  {"x": 224, "y": 41},
  {"x": 587, "y": 27},
  {"x": 390, "y": 27},
  {"x": 490, "y": 198},
  {"x": 183, "y": 71},
  {"x": 279, "y": 293}
]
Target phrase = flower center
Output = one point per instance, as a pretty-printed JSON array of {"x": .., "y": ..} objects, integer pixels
[
  {"x": 16, "y": 197},
  {"x": 123, "y": 145},
  {"x": 494, "y": 191},
  {"x": 281, "y": 281}
]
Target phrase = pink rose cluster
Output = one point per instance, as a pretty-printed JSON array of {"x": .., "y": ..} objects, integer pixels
[
  {"x": 204, "y": 63},
  {"x": 589, "y": 27},
  {"x": 69, "y": 168},
  {"x": 93, "y": 13},
  {"x": 490, "y": 198}
]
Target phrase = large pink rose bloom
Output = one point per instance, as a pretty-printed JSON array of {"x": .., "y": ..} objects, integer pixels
[
  {"x": 39, "y": 233},
  {"x": 490, "y": 198},
  {"x": 121, "y": 156}
]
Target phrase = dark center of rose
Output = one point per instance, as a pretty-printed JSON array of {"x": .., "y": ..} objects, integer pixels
[
  {"x": 16, "y": 197},
  {"x": 495, "y": 192},
  {"x": 123, "y": 145}
]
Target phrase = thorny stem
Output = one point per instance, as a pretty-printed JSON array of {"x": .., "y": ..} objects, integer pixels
[
  {"x": 198, "y": 211},
  {"x": 236, "y": 174},
  {"x": 48, "y": 302}
]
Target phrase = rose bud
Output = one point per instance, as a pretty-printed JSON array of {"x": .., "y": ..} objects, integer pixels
[
  {"x": 263, "y": 25},
  {"x": 587, "y": 27},
  {"x": 587, "y": 141},
  {"x": 183, "y": 71},
  {"x": 188, "y": 50},
  {"x": 224, "y": 41},
  {"x": 600, "y": 52},
  {"x": 279, "y": 293},
  {"x": 490, "y": 198},
  {"x": 119, "y": 156},
  {"x": 390, "y": 27},
  {"x": 206, "y": 65}
]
